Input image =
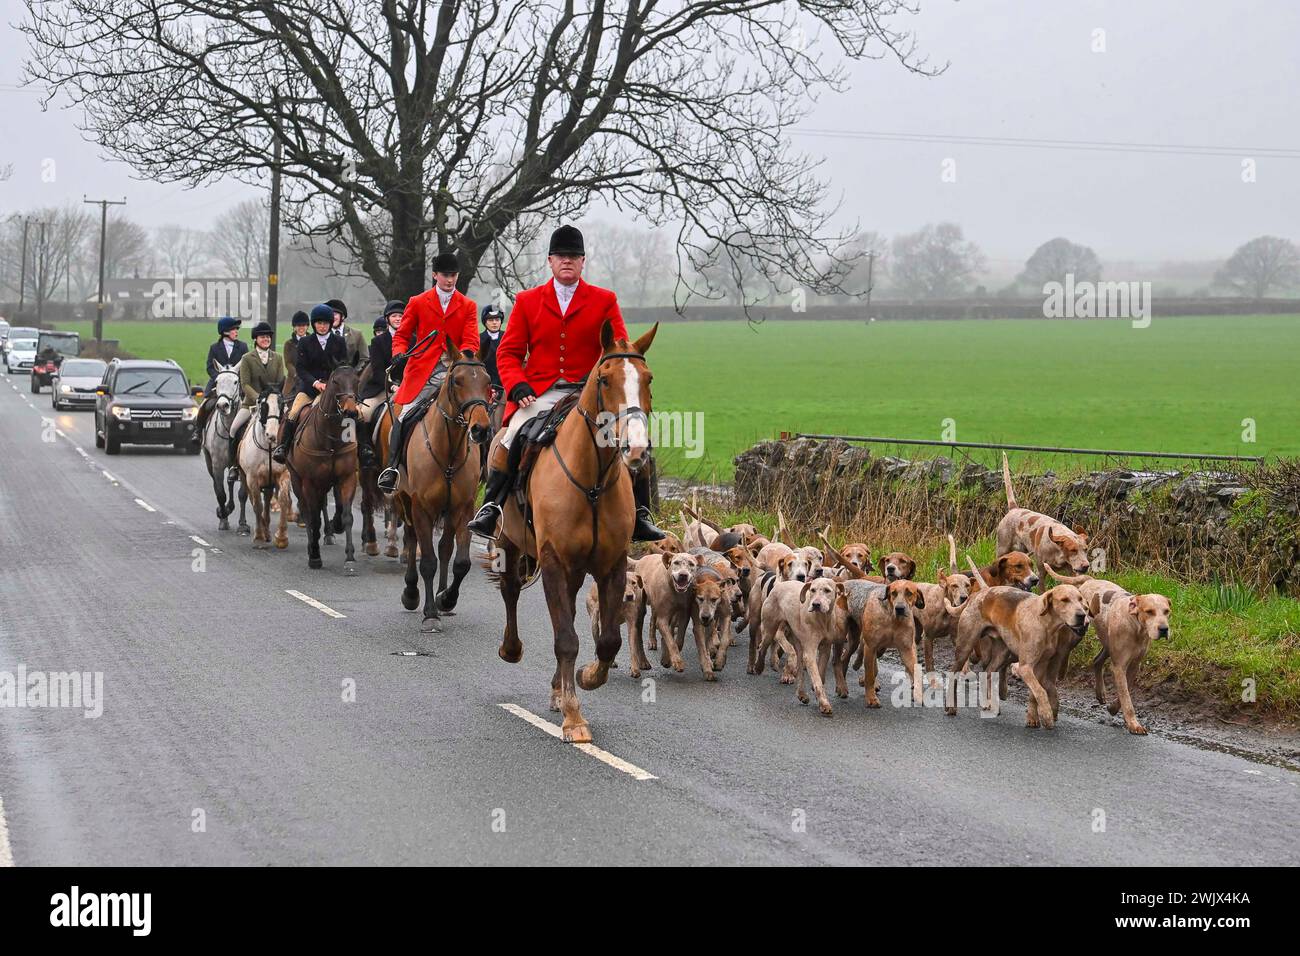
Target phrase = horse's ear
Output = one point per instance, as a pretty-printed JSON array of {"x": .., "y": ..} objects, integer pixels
[
  {"x": 453, "y": 353},
  {"x": 642, "y": 344},
  {"x": 606, "y": 336}
]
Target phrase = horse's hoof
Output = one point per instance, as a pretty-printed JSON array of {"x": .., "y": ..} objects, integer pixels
[
  {"x": 390, "y": 551},
  {"x": 430, "y": 625},
  {"x": 445, "y": 604},
  {"x": 350, "y": 569},
  {"x": 410, "y": 598},
  {"x": 281, "y": 543},
  {"x": 512, "y": 655},
  {"x": 592, "y": 676},
  {"x": 223, "y": 525},
  {"x": 579, "y": 733},
  {"x": 710, "y": 675},
  {"x": 244, "y": 530},
  {"x": 371, "y": 549},
  {"x": 315, "y": 563},
  {"x": 259, "y": 545},
  {"x": 329, "y": 540}
]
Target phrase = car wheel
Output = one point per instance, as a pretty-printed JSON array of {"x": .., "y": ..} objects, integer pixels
[
  {"x": 54, "y": 399},
  {"x": 36, "y": 386},
  {"x": 111, "y": 445},
  {"x": 99, "y": 438}
]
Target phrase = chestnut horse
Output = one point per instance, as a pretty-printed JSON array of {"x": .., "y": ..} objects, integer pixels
[
  {"x": 579, "y": 494},
  {"x": 439, "y": 483},
  {"x": 324, "y": 459}
]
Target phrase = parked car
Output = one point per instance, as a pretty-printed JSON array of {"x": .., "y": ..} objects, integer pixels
[
  {"x": 144, "y": 402},
  {"x": 21, "y": 355},
  {"x": 75, "y": 383},
  {"x": 4, "y": 333},
  {"x": 17, "y": 332},
  {"x": 52, "y": 347}
]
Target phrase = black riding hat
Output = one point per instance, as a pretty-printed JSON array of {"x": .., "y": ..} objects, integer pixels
[
  {"x": 338, "y": 306},
  {"x": 381, "y": 323},
  {"x": 446, "y": 262},
  {"x": 300, "y": 319},
  {"x": 263, "y": 328},
  {"x": 492, "y": 312},
  {"x": 394, "y": 306},
  {"x": 566, "y": 241}
]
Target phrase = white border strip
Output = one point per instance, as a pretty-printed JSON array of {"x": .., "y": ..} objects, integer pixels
[
  {"x": 145, "y": 505},
  {"x": 313, "y": 602},
  {"x": 6, "y": 853},
  {"x": 604, "y": 756}
]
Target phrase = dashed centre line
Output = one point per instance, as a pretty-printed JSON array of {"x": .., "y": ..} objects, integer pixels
[
  {"x": 591, "y": 750},
  {"x": 324, "y": 609}
]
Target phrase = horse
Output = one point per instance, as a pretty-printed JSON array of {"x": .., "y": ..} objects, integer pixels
[
  {"x": 263, "y": 477},
  {"x": 579, "y": 495},
  {"x": 372, "y": 499},
  {"x": 324, "y": 459},
  {"x": 216, "y": 447},
  {"x": 440, "y": 482}
]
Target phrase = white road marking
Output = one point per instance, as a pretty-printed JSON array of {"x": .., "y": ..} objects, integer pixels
[
  {"x": 145, "y": 505},
  {"x": 107, "y": 475},
  {"x": 6, "y": 853},
  {"x": 197, "y": 540},
  {"x": 591, "y": 750},
  {"x": 314, "y": 603}
]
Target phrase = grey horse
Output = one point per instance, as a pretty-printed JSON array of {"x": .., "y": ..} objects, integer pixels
[{"x": 216, "y": 449}]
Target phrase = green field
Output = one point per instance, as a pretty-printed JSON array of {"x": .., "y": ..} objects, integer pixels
[{"x": 1183, "y": 384}]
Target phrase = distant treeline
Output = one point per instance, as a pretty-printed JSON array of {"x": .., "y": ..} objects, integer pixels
[{"x": 949, "y": 310}]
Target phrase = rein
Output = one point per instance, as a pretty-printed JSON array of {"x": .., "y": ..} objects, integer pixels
[{"x": 449, "y": 471}]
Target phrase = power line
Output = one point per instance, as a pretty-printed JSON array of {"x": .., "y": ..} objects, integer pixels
[{"x": 1015, "y": 142}]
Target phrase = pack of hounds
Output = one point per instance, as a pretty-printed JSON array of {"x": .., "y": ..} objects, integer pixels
[{"x": 809, "y": 607}]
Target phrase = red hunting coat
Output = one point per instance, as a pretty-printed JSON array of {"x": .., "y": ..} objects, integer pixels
[
  {"x": 555, "y": 346},
  {"x": 424, "y": 314}
]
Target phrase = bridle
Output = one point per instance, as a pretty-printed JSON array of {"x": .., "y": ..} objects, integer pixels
[
  {"x": 594, "y": 493},
  {"x": 228, "y": 413},
  {"x": 459, "y": 420}
]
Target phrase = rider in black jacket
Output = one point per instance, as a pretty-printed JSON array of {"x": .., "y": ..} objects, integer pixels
[
  {"x": 318, "y": 354},
  {"x": 225, "y": 352}
]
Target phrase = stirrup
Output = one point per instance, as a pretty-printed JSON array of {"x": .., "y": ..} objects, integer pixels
[
  {"x": 280, "y": 455},
  {"x": 387, "y": 480}
]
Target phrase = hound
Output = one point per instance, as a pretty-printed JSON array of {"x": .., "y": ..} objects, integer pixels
[
  {"x": 1030, "y": 629},
  {"x": 1050, "y": 542},
  {"x": 814, "y": 614}
]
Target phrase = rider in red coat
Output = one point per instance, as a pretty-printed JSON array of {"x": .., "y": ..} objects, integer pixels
[
  {"x": 444, "y": 308},
  {"x": 551, "y": 344}
]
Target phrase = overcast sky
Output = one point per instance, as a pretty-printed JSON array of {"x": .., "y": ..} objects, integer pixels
[{"x": 1173, "y": 71}]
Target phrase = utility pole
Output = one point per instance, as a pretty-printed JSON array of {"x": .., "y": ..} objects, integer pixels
[
  {"x": 40, "y": 277},
  {"x": 22, "y": 272},
  {"x": 103, "y": 205},
  {"x": 273, "y": 256}
]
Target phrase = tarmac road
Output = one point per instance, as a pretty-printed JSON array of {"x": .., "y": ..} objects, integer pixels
[{"x": 225, "y": 736}]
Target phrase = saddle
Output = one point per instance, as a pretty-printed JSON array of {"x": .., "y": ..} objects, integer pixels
[{"x": 535, "y": 435}]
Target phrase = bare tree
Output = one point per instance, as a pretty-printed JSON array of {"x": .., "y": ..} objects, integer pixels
[
  {"x": 1260, "y": 265},
  {"x": 417, "y": 124},
  {"x": 180, "y": 250},
  {"x": 57, "y": 239},
  {"x": 936, "y": 262},
  {"x": 1057, "y": 258},
  {"x": 128, "y": 251},
  {"x": 652, "y": 264},
  {"x": 239, "y": 239}
]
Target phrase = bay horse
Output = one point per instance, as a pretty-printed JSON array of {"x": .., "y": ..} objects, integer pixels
[
  {"x": 324, "y": 459},
  {"x": 439, "y": 482},
  {"x": 216, "y": 446},
  {"x": 579, "y": 495},
  {"x": 264, "y": 478}
]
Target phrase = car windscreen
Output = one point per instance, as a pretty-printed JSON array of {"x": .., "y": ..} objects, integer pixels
[
  {"x": 82, "y": 369},
  {"x": 151, "y": 381},
  {"x": 23, "y": 345},
  {"x": 65, "y": 343}
]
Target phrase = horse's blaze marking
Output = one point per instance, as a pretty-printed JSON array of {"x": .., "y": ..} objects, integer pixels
[
  {"x": 324, "y": 609},
  {"x": 591, "y": 750},
  {"x": 636, "y": 433}
]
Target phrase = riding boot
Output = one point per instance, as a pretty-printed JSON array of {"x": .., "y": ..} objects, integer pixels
[
  {"x": 232, "y": 470},
  {"x": 365, "y": 452},
  {"x": 494, "y": 493},
  {"x": 387, "y": 480},
  {"x": 201, "y": 420},
  {"x": 644, "y": 529},
  {"x": 281, "y": 453}
]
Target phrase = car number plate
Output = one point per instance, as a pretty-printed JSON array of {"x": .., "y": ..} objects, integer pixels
[{"x": 156, "y": 424}]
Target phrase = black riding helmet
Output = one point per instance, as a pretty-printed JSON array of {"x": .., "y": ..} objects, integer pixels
[{"x": 492, "y": 312}]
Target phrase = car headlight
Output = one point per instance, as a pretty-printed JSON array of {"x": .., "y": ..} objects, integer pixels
[
  {"x": 190, "y": 413},
  {"x": 65, "y": 389},
  {"x": 121, "y": 412}
]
